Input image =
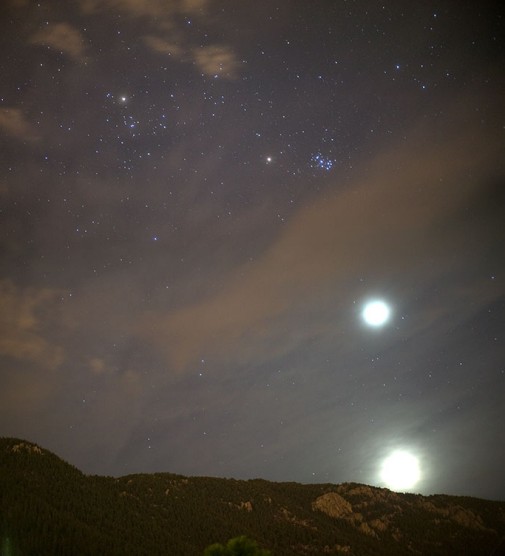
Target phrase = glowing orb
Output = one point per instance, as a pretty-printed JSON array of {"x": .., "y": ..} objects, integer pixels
[
  {"x": 400, "y": 471},
  {"x": 376, "y": 313}
]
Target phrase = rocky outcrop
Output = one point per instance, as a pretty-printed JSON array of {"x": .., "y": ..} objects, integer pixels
[
  {"x": 286, "y": 515},
  {"x": 247, "y": 506},
  {"x": 333, "y": 505},
  {"x": 458, "y": 514},
  {"x": 377, "y": 511},
  {"x": 26, "y": 447}
]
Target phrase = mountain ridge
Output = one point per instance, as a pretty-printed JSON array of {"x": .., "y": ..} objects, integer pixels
[{"x": 49, "y": 507}]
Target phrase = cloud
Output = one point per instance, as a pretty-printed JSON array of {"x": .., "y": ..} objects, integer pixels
[
  {"x": 14, "y": 123},
  {"x": 164, "y": 9},
  {"x": 128, "y": 380},
  {"x": 98, "y": 366},
  {"x": 216, "y": 60},
  {"x": 22, "y": 315},
  {"x": 29, "y": 360},
  {"x": 23, "y": 391},
  {"x": 396, "y": 224},
  {"x": 164, "y": 47},
  {"x": 62, "y": 37},
  {"x": 193, "y": 6},
  {"x": 132, "y": 7}
]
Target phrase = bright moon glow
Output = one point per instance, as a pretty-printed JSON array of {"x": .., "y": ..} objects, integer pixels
[
  {"x": 400, "y": 471},
  {"x": 376, "y": 313}
]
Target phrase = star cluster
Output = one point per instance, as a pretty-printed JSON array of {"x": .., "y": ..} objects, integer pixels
[{"x": 322, "y": 162}]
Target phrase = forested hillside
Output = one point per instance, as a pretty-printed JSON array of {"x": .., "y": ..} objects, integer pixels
[{"x": 50, "y": 508}]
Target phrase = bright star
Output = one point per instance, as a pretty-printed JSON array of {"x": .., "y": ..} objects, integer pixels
[{"x": 376, "y": 313}]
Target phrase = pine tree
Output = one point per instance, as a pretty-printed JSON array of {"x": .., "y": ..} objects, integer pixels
[{"x": 239, "y": 546}]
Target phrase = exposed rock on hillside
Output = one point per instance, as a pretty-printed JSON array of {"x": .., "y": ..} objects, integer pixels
[
  {"x": 26, "y": 447},
  {"x": 334, "y": 505}
]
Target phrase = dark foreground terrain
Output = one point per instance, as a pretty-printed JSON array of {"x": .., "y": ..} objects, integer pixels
[{"x": 48, "y": 507}]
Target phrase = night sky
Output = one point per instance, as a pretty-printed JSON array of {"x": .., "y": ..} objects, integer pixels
[{"x": 197, "y": 200}]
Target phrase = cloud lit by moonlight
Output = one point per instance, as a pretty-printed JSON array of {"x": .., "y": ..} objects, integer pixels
[
  {"x": 400, "y": 471},
  {"x": 376, "y": 313}
]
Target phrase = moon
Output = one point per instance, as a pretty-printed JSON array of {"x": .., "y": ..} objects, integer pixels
[
  {"x": 400, "y": 470},
  {"x": 376, "y": 313}
]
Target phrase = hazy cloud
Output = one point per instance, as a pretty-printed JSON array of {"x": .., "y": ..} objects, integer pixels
[
  {"x": 216, "y": 60},
  {"x": 14, "y": 123},
  {"x": 153, "y": 8},
  {"x": 22, "y": 313},
  {"x": 128, "y": 380},
  {"x": 98, "y": 366},
  {"x": 29, "y": 360},
  {"x": 62, "y": 37},
  {"x": 164, "y": 47},
  {"x": 193, "y": 6}
]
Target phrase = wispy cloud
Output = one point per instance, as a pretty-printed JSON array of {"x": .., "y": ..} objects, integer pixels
[
  {"x": 163, "y": 9},
  {"x": 216, "y": 60},
  {"x": 213, "y": 60},
  {"x": 62, "y": 37},
  {"x": 21, "y": 317},
  {"x": 30, "y": 361},
  {"x": 13, "y": 122},
  {"x": 164, "y": 47}
]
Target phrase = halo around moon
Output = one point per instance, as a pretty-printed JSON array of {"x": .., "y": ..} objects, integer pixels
[{"x": 376, "y": 313}]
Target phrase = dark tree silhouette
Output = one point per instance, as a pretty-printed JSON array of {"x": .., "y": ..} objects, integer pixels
[{"x": 239, "y": 546}]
